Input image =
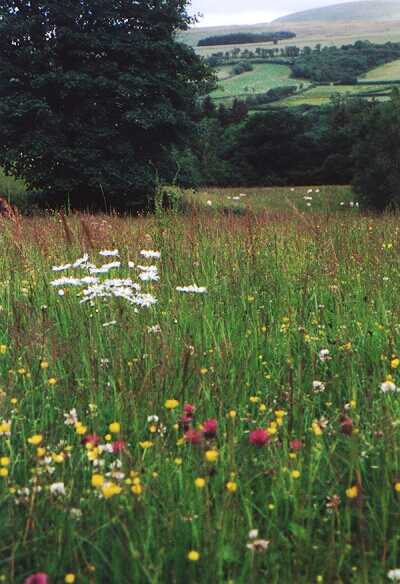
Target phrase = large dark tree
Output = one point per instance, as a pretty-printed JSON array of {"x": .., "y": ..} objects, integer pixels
[{"x": 93, "y": 93}]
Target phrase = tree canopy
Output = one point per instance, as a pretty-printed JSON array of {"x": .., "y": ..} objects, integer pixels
[{"x": 93, "y": 93}]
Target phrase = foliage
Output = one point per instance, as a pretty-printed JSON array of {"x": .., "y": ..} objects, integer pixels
[
  {"x": 377, "y": 155},
  {"x": 81, "y": 112},
  {"x": 242, "y": 38}
]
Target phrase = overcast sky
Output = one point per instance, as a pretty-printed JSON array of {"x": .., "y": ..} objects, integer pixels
[{"x": 220, "y": 12}]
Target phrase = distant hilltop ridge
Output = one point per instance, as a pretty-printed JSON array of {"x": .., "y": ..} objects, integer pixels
[{"x": 365, "y": 10}]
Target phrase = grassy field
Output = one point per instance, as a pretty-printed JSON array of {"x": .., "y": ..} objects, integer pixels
[
  {"x": 264, "y": 76},
  {"x": 388, "y": 72},
  {"x": 245, "y": 431},
  {"x": 322, "y": 94}
]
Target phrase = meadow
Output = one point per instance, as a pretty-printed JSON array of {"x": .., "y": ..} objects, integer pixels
[
  {"x": 261, "y": 79},
  {"x": 387, "y": 72},
  {"x": 207, "y": 397}
]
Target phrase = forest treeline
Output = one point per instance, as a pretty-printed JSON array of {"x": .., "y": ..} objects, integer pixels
[{"x": 242, "y": 38}]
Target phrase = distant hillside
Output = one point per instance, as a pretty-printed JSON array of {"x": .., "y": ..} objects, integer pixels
[{"x": 365, "y": 10}]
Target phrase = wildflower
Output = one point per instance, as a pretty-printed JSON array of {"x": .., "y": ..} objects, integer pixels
[
  {"x": 146, "y": 444},
  {"x": 295, "y": 474},
  {"x": 189, "y": 409},
  {"x": 333, "y": 502},
  {"x": 318, "y": 386},
  {"x": 171, "y": 404},
  {"x": 57, "y": 489},
  {"x": 35, "y": 439},
  {"x": 44, "y": 365},
  {"x": 92, "y": 439},
  {"x": 193, "y": 436},
  {"x": 231, "y": 486},
  {"x": 295, "y": 444},
  {"x": 38, "y": 578},
  {"x": 192, "y": 289},
  {"x": 200, "y": 483},
  {"x": 4, "y": 461},
  {"x": 352, "y": 492},
  {"x": 394, "y": 363},
  {"x": 397, "y": 487},
  {"x": 149, "y": 253},
  {"x": 3, "y": 472},
  {"x": 80, "y": 428},
  {"x": 109, "y": 253},
  {"x": 258, "y": 545},
  {"x": 110, "y": 489},
  {"x": 316, "y": 428},
  {"x": 114, "y": 428},
  {"x": 193, "y": 556},
  {"x": 211, "y": 455},
  {"x": 69, "y": 578},
  {"x": 118, "y": 446},
  {"x": 389, "y": 386},
  {"x": 186, "y": 421},
  {"x": 324, "y": 355},
  {"x": 232, "y": 414},
  {"x": 259, "y": 437},
  {"x": 210, "y": 428},
  {"x": 97, "y": 480},
  {"x": 154, "y": 330},
  {"x": 61, "y": 268},
  {"x": 52, "y": 381},
  {"x": 346, "y": 425},
  {"x": 394, "y": 575},
  {"x": 137, "y": 489}
]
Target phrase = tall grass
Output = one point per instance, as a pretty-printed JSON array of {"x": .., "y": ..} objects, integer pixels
[{"x": 282, "y": 286}]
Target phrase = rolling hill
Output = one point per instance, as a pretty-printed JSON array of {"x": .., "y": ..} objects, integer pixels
[{"x": 364, "y": 10}]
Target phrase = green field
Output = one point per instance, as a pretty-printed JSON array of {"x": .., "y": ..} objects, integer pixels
[
  {"x": 243, "y": 431},
  {"x": 322, "y": 94},
  {"x": 388, "y": 72},
  {"x": 264, "y": 76}
]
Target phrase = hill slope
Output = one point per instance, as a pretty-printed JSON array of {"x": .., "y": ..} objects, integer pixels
[{"x": 365, "y": 10}]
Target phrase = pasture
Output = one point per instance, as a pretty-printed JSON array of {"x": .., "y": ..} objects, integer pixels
[
  {"x": 387, "y": 72},
  {"x": 207, "y": 397},
  {"x": 263, "y": 77}
]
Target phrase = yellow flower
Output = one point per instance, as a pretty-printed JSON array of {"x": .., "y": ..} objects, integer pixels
[
  {"x": 70, "y": 578},
  {"x": 3, "y": 472},
  {"x": 137, "y": 489},
  {"x": 394, "y": 363},
  {"x": 35, "y": 439},
  {"x": 40, "y": 452},
  {"x": 4, "y": 461},
  {"x": 200, "y": 483},
  {"x": 110, "y": 489},
  {"x": 211, "y": 455},
  {"x": 231, "y": 486},
  {"x": 97, "y": 480},
  {"x": 3, "y": 349},
  {"x": 14, "y": 401},
  {"x": 254, "y": 399},
  {"x": 232, "y": 414},
  {"x": 262, "y": 408},
  {"x": 171, "y": 404},
  {"x": 80, "y": 428},
  {"x": 114, "y": 428},
  {"x": 352, "y": 492},
  {"x": 397, "y": 487},
  {"x": 52, "y": 381},
  {"x": 280, "y": 413},
  {"x": 178, "y": 461},
  {"x": 108, "y": 437},
  {"x": 316, "y": 428},
  {"x": 295, "y": 474},
  {"x": 193, "y": 556},
  {"x": 44, "y": 365},
  {"x": 146, "y": 444},
  {"x": 58, "y": 458}
]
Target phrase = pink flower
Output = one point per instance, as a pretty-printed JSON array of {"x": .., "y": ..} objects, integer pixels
[
  {"x": 210, "y": 428},
  {"x": 38, "y": 578},
  {"x": 346, "y": 425},
  {"x": 259, "y": 437},
  {"x": 91, "y": 439},
  {"x": 295, "y": 444},
  {"x": 189, "y": 410},
  {"x": 118, "y": 446},
  {"x": 186, "y": 421},
  {"x": 193, "y": 436}
]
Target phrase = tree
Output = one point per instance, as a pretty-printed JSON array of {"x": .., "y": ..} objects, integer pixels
[
  {"x": 92, "y": 94},
  {"x": 376, "y": 156}
]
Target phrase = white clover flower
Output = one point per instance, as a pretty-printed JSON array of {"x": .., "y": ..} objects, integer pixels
[
  {"x": 149, "y": 253},
  {"x": 389, "y": 386},
  {"x": 192, "y": 289},
  {"x": 153, "y": 419},
  {"x": 61, "y": 268},
  {"x": 57, "y": 489},
  {"x": 324, "y": 355},
  {"x": 109, "y": 253}
]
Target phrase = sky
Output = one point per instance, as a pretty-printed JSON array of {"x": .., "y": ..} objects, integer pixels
[{"x": 224, "y": 12}]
